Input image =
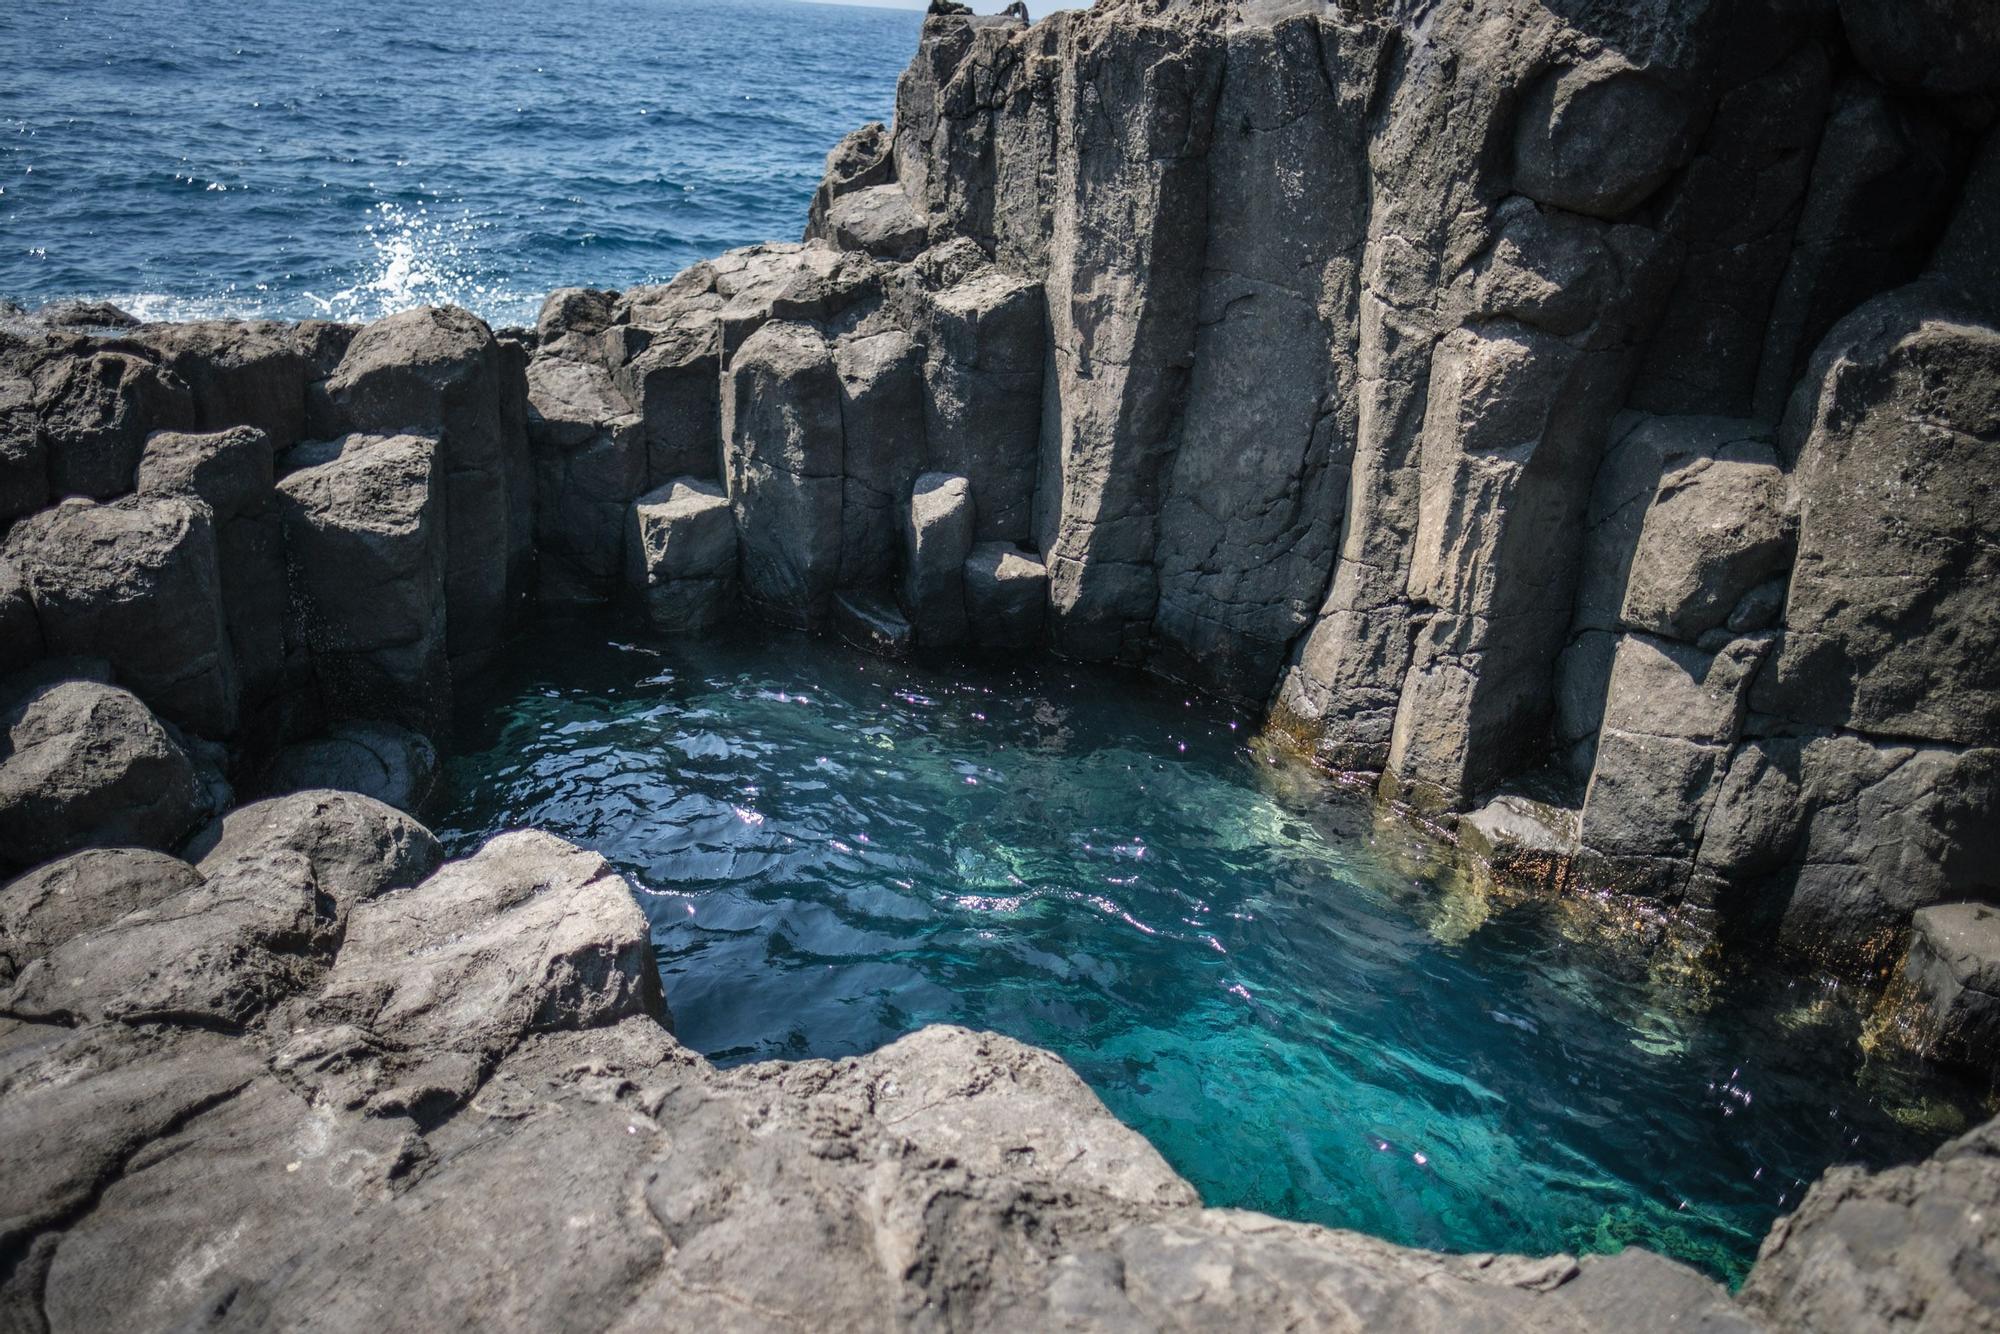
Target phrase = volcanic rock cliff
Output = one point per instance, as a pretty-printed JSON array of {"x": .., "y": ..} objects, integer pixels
[{"x": 1575, "y": 416}]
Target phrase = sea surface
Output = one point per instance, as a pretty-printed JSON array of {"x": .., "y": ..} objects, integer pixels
[
  {"x": 1301, "y": 1005},
  {"x": 286, "y": 158}
]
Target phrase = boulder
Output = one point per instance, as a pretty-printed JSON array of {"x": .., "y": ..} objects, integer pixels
[
  {"x": 229, "y": 471},
  {"x": 365, "y": 547},
  {"x": 937, "y": 542},
  {"x": 1522, "y": 839},
  {"x": 1599, "y": 139},
  {"x": 872, "y": 623},
  {"x": 1891, "y": 626},
  {"x": 1907, "y": 1249},
  {"x": 232, "y": 473},
  {"x": 439, "y": 372},
  {"x": 87, "y": 765},
  {"x": 1716, "y": 529},
  {"x": 1954, "y": 963},
  {"x": 877, "y": 219},
  {"x": 90, "y": 315},
  {"x": 136, "y": 582},
  {"x": 381, "y": 760},
  {"x": 82, "y": 892},
  {"x": 680, "y": 550},
  {"x": 528, "y": 935},
  {"x": 216, "y": 954},
  {"x": 354, "y": 845},
  {"x": 574, "y": 322},
  {"x": 96, "y": 413},
  {"x": 783, "y": 448},
  {"x": 1006, "y": 596},
  {"x": 859, "y": 161}
]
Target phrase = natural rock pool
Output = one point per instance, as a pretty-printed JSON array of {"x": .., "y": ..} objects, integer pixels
[{"x": 1309, "y": 1009}]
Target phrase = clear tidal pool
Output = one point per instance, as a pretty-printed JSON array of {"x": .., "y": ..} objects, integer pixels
[{"x": 1304, "y": 1005}]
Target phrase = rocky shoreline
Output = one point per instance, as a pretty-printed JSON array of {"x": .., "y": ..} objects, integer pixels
[{"x": 1577, "y": 419}]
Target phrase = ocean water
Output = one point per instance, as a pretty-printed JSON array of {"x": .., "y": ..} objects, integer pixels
[
  {"x": 293, "y": 159},
  {"x": 1297, "y": 1003}
]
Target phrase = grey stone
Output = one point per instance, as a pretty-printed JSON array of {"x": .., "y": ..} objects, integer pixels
[
  {"x": 590, "y": 464},
  {"x": 882, "y": 419},
  {"x": 96, "y": 411},
  {"x": 1944, "y": 47},
  {"x": 860, "y": 161},
  {"x": 1600, "y": 138},
  {"x": 1910, "y": 1248},
  {"x": 20, "y": 632},
  {"x": 1006, "y": 596},
  {"x": 527, "y": 935},
  {"x": 136, "y": 582},
  {"x": 937, "y": 540},
  {"x": 1955, "y": 963},
  {"x": 1890, "y": 624},
  {"x": 1672, "y": 712},
  {"x": 1716, "y": 529},
  {"x": 983, "y": 395},
  {"x": 1881, "y": 189},
  {"x": 24, "y": 462},
  {"x": 877, "y": 219},
  {"x": 381, "y": 760},
  {"x": 64, "y": 898},
  {"x": 250, "y": 373},
  {"x": 674, "y": 383},
  {"x": 784, "y": 463},
  {"x": 365, "y": 546},
  {"x": 232, "y": 473},
  {"x": 681, "y": 550},
  {"x": 437, "y": 371},
  {"x": 354, "y": 845},
  {"x": 1522, "y": 839}
]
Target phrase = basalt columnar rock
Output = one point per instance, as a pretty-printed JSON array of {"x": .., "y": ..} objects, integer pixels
[{"x": 1580, "y": 415}]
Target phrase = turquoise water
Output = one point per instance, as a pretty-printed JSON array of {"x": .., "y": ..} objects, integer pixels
[
  {"x": 302, "y": 160},
  {"x": 1299, "y": 1005}
]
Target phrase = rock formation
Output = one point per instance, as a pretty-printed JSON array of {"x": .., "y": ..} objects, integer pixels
[{"x": 1577, "y": 417}]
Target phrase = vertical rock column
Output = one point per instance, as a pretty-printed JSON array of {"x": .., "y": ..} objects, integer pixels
[
  {"x": 1252, "y": 513},
  {"x": 439, "y": 371},
  {"x": 1135, "y": 107}
]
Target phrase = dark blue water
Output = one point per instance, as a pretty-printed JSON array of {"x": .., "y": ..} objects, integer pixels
[
  {"x": 300, "y": 159},
  {"x": 1308, "y": 1010}
]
